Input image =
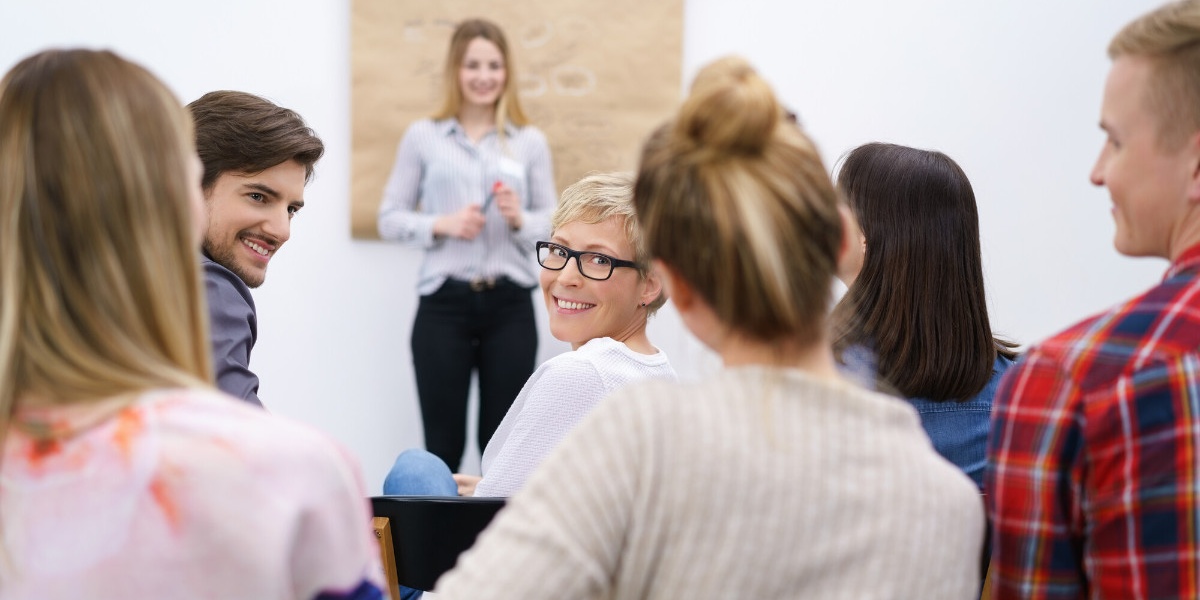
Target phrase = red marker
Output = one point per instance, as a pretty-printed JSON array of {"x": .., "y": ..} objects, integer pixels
[{"x": 488, "y": 201}]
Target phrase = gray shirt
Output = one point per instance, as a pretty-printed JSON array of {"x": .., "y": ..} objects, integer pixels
[
  {"x": 439, "y": 170},
  {"x": 233, "y": 327}
]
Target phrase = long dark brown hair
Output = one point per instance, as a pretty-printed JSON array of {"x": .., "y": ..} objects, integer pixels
[{"x": 918, "y": 304}]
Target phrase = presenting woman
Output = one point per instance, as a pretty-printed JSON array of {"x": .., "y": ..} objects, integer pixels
[
  {"x": 915, "y": 318},
  {"x": 473, "y": 187}
]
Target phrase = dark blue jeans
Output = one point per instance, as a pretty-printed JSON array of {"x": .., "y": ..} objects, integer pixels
[{"x": 461, "y": 329}]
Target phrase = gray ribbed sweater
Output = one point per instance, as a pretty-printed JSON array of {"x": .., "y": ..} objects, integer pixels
[{"x": 758, "y": 483}]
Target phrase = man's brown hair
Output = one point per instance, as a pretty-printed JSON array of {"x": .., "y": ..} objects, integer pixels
[{"x": 243, "y": 133}]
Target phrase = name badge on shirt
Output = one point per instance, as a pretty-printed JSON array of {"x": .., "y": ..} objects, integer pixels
[{"x": 512, "y": 173}]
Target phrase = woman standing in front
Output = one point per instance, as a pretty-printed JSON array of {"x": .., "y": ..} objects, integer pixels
[
  {"x": 473, "y": 187},
  {"x": 772, "y": 478}
]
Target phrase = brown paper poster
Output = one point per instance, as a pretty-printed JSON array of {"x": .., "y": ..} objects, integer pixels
[{"x": 595, "y": 77}]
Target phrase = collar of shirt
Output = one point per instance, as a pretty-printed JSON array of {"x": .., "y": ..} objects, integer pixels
[
  {"x": 451, "y": 126},
  {"x": 1188, "y": 261}
]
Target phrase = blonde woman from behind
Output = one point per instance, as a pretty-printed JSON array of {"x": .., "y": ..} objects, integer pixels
[{"x": 125, "y": 474}]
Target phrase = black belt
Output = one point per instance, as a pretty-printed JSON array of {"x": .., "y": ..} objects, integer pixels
[
  {"x": 484, "y": 284},
  {"x": 481, "y": 284}
]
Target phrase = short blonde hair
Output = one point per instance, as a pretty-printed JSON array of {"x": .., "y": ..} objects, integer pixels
[
  {"x": 508, "y": 108},
  {"x": 100, "y": 288},
  {"x": 735, "y": 199},
  {"x": 602, "y": 196},
  {"x": 1170, "y": 37}
]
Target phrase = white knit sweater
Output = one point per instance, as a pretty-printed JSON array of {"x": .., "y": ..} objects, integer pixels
[
  {"x": 554, "y": 400},
  {"x": 758, "y": 483}
]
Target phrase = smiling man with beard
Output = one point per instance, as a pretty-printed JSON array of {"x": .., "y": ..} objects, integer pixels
[{"x": 257, "y": 159}]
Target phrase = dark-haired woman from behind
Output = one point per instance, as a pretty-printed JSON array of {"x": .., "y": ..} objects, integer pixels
[{"x": 915, "y": 316}]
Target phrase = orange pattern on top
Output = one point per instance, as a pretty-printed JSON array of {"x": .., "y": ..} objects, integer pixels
[
  {"x": 130, "y": 424},
  {"x": 166, "y": 502}
]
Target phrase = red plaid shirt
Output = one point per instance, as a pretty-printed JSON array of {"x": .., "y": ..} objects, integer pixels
[{"x": 1093, "y": 482}]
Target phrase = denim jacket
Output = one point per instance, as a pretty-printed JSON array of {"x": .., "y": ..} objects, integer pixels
[{"x": 959, "y": 430}]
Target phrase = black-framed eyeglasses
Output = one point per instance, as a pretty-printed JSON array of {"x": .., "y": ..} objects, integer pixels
[{"x": 592, "y": 265}]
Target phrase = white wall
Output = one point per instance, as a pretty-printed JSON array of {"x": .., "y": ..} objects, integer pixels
[{"x": 1009, "y": 89}]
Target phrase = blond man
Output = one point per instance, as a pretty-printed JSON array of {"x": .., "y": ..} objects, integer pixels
[{"x": 1094, "y": 461}]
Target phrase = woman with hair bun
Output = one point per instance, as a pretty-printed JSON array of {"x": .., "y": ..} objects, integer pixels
[{"x": 774, "y": 477}]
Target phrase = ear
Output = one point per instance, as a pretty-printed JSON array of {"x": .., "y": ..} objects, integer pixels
[
  {"x": 849, "y": 259},
  {"x": 653, "y": 286},
  {"x": 680, "y": 293},
  {"x": 852, "y": 234},
  {"x": 848, "y": 231},
  {"x": 1193, "y": 148}
]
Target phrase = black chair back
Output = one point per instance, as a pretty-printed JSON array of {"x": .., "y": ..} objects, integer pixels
[{"x": 429, "y": 532}]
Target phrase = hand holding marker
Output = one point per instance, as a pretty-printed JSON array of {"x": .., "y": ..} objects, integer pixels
[{"x": 492, "y": 196}]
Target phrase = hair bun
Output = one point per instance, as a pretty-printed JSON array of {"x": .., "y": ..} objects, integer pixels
[{"x": 730, "y": 109}]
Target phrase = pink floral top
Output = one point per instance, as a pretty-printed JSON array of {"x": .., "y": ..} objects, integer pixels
[{"x": 182, "y": 494}]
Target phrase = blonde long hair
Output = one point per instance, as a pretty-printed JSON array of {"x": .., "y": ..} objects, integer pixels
[
  {"x": 508, "y": 108},
  {"x": 100, "y": 289}
]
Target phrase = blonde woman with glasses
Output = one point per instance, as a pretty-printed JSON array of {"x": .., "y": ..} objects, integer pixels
[{"x": 600, "y": 293}]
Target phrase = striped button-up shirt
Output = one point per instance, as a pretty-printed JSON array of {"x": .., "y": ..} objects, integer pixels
[
  {"x": 1093, "y": 483},
  {"x": 439, "y": 170}
]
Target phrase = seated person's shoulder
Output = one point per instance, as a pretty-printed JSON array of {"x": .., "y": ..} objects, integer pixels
[
  {"x": 217, "y": 276},
  {"x": 563, "y": 373},
  {"x": 581, "y": 360},
  {"x": 249, "y": 436},
  {"x": 224, "y": 285},
  {"x": 1142, "y": 333}
]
